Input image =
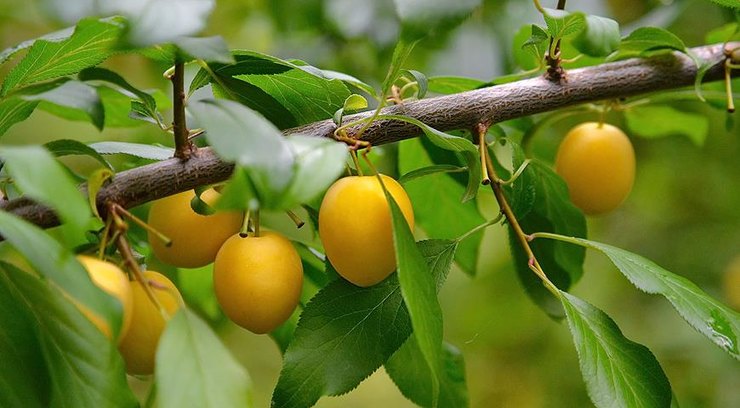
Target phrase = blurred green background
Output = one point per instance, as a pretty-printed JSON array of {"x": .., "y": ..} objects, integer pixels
[{"x": 684, "y": 212}]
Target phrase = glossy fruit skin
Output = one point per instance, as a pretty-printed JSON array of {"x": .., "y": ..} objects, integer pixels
[
  {"x": 139, "y": 346},
  {"x": 355, "y": 227},
  {"x": 195, "y": 238},
  {"x": 258, "y": 280},
  {"x": 597, "y": 163},
  {"x": 114, "y": 281}
]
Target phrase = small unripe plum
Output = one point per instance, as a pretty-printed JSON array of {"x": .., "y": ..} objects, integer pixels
[
  {"x": 597, "y": 162},
  {"x": 195, "y": 238},
  {"x": 355, "y": 227},
  {"x": 139, "y": 346},
  {"x": 114, "y": 281},
  {"x": 258, "y": 280}
]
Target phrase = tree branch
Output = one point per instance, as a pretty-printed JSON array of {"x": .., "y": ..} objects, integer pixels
[{"x": 451, "y": 112}]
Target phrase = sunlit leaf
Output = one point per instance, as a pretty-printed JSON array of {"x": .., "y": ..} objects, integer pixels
[
  {"x": 195, "y": 369},
  {"x": 14, "y": 110},
  {"x": 39, "y": 176},
  {"x": 84, "y": 367},
  {"x": 58, "y": 265},
  {"x": 145, "y": 151},
  {"x": 717, "y": 322},
  {"x": 90, "y": 44},
  {"x": 418, "y": 288},
  {"x": 73, "y": 95},
  {"x": 349, "y": 330},
  {"x": 618, "y": 372}
]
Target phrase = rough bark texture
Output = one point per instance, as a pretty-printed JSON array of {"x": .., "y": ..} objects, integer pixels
[{"x": 459, "y": 111}]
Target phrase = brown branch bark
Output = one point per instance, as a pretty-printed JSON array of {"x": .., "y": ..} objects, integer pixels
[{"x": 459, "y": 111}]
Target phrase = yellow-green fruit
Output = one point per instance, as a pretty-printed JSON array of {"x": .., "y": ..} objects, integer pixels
[
  {"x": 139, "y": 346},
  {"x": 355, "y": 227},
  {"x": 597, "y": 162},
  {"x": 258, "y": 280},
  {"x": 114, "y": 281},
  {"x": 731, "y": 283},
  {"x": 195, "y": 238}
]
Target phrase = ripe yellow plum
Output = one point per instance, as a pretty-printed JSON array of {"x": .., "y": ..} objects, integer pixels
[
  {"x": 597, "y": 162},
  {"x": 139, "y": 346},
  {"x": 258, "y": 280},
  {"x": 114, "y": 281},
  {"x": 355, "y": 227},
  {"x": 195, "y": 238}
]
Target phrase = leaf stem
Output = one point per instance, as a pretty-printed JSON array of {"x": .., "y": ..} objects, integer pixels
[
  {"x": 498, "y": 192},
  {"x": 138, "y": 221},
  {"x": 256, "y": 222},
  {"x": 244, "y": 230},
  {"x": 482, "y": 129},
  {"x": 480, "y": 227},
  {"x": 184, "y": 148}
]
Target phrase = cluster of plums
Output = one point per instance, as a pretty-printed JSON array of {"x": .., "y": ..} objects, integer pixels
[{"x": 257, "y": 279}]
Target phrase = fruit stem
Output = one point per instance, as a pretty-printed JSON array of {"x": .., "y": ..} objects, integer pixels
[
  {"x": 138, "y": 221},
  {"x": 353, "y": 154},
  {"x": 128, "y": 257},
  {"x": 369, "y": 163},
  {"x": 728, "y": 86},
  {"x": 498, "y": 192},
  {"x": 104, "y": 238},
  {"x": 244, "y": 230},
  {"x": 295, "y": 218},
  {"x": 482, "y": 129},
  {"x": 256, "y": 220}
]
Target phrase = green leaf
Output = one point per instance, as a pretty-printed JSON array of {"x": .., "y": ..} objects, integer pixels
[
  {"x": 349, "y": 80},
  {"x": 400, "y": 53},
  {"x": 210, "y": 49},
  {"x": 453, "y": 143},
  {"x": 646, "y": 39},
  {"x": 72, "y": 95},
  {"x": 421, "y": 81},
  {"x": 530, "y": 46},
  {"x": 195, "y": 369},
  {"x": 600, "y": 38},
  {"x": 25, "y": 380},
  {"x": 727, "y": 32},
  {"x": 429, "y": 170},
  {"x": 58, "y": 265},
  {"x": 550, "y": 211},
  {"x": 39, "y": 176},
  {"x": 309, "y": 98},
  {"x": 353, "y": 102},
  {"x": 94, "y": 184},
  {"x": 407, "y": 370},
  {"x": 450, "y": 84},
  {"x": 728, "y": 3},
  {"x": 419, "y": 18},
  {"x": 346, "y": 332},
  {"x": 66, "y": 147},
  {"x": 433, "y": 209},
  {"x": 618, "y": 372},
  {"x": 240, "y": 135},
  {"x": 84, "y": 367},
  {"x": 419, "y": 294},
  {"x": 145, "y": 151},
  {"x": 254, "y": 98},
  {"x": 102, "y": 74},
  {"x": 318, "y": 163},
  {"x": 91, "y": 44},
  {"x": 654, "y": 122},
  {"x": 14, "y": 110},
  {"x": 717, "y": 322},
  {"x": 561, "y": 23},
  {"x": 55, "y": 36},
  {"x": 164, "y": 21}
]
